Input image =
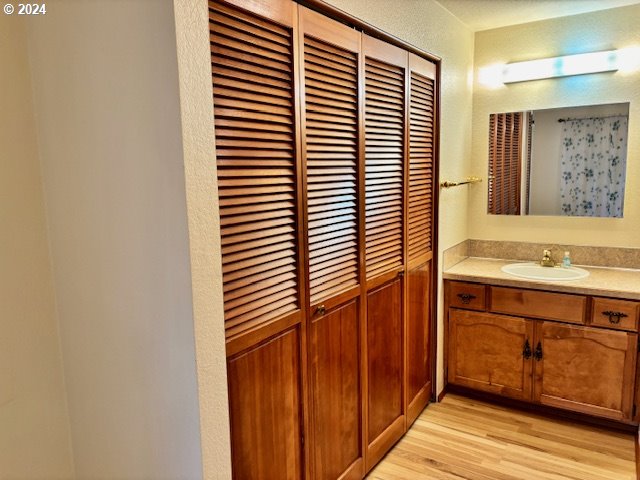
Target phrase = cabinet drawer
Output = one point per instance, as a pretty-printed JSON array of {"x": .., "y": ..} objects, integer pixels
[
  {"x": 618, "y": 314},
  {"x": 467, "y": 295},
  {"x": 535, "y": 304}
]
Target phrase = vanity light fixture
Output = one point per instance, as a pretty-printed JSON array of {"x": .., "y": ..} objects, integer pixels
[
  {"x": 567, "y": 65},
  {"x": 625, "y": 60}
]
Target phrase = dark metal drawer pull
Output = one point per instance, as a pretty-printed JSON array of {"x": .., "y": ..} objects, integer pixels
[
  {"x": 526, "y": 353},
  {"x": 614, "y": 317},
  {"x": 538, "y": 353},
  {"x": 466, "y": 297}
]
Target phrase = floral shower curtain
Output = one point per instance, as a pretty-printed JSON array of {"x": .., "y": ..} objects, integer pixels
[{"x": 593, "y": 165}]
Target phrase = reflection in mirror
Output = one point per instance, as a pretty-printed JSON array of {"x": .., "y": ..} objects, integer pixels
[{"x": 562, "y": 161}]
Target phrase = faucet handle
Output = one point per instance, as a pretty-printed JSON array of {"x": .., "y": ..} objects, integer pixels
[{"x": 546, "y": 253}]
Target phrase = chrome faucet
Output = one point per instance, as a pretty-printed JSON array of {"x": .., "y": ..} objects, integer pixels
[{"x": 546, "y": 259}]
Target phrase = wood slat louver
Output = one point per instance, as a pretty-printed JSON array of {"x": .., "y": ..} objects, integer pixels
[
  {"x": 505, "y": 150},
  {"x": 421, "y": 152},
  {"x": 331, "y": 96},
  {"x": 384, "y": 159},
  {"x": 252, "y": 70}
]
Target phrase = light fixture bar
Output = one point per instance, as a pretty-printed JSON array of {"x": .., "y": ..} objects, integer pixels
[{"x": 567, "y": 65}]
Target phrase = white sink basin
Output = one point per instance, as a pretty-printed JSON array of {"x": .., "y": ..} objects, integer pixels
[{"x": 533, "y": 271}]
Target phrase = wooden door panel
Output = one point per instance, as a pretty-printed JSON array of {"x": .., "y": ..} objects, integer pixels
[
  {"x": 385, "y": 150},
  {"x": 384, "y": 358},
  {"x": 334, "y": 353},
  {"x": 586, "y": 369},
  {"x": 330, "y": 151},
  {"x": 265, "y": 410},
  {"x": 418, "y": 340},
  {"x": 420, "y": 178},
  {"x": 486, "y": 353},
  {"x": 253, "y": 89}
]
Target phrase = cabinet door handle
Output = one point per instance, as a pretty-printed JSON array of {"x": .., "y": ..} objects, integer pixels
[
  {"x": 538, "y": 353},
  {"x": 466, "y": 297},
  {"x": 526, "y": 353},
  {"x": 614, "y": 317},
  {"x": 320, "y": 310}
]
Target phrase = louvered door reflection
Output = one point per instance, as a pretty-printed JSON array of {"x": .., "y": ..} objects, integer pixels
[
  {"x": 420, "y": 234},
  {"x": 505, "y": 162},
  {"x": 254, "y": 106},
  {"x": 331, "y": 146}
]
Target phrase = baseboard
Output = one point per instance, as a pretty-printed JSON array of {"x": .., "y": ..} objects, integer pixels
[{"x": 442, "y": 393}]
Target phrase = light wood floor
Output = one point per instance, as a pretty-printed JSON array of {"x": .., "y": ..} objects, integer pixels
[{"x": 461, "y": 438}]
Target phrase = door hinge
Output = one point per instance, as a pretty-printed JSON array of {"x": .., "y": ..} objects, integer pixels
[{"x": 633, "y": 414}]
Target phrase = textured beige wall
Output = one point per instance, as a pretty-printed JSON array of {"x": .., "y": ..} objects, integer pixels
[
  {"x": 34, "y": 423},
  {"x": 428, "y": 26},
  {"x": 604, "y": 30},
  {"x": 194, "y": 63},
  {"x": 106, "y": 91}
]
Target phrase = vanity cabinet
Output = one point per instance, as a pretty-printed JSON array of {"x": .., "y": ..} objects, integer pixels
[
  {"x": 584, "y": 369},
  {"x": 573, "y": 352},
  {"x": 486, "y": 352}
]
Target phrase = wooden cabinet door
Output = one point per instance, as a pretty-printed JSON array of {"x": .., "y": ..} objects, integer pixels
[
  {"x": 585, "y": 369},
  {"x": 334, "y": 355},
  {"x": 418, "y": 327},
  {"x": 488, "y": 352},
  {"x": 330, "y": 55},
  {"x": 265, "y": 411}
]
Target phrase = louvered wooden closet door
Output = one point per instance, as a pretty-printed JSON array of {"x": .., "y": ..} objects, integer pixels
[
  {"x": 330, "y": 135},
  {"x": 385, "y": 71},
  {"x": 253, "y": 71},
  {"x": 420, "y": 234}
]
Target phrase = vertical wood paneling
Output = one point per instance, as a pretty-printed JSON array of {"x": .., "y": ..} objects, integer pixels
[
  {"x": 418, "y": 339},
  {"x": 334, "y": 352},
  {"x": 253, "y": 91},
  {"x": 384, "y": 353},
  {"x": 265, "y": 415}
]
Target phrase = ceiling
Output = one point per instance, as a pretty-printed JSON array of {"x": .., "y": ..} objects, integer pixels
[{"x": 487, "y": 14}]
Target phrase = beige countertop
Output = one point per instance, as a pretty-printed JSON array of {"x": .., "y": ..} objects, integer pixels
[{"x": 606, "y": 282}]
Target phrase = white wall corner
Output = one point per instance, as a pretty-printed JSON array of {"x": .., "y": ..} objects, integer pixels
[{"x": 194, "y": 69}]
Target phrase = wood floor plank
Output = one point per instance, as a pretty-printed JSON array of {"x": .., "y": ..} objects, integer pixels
[{"x": 467, "y": 439}]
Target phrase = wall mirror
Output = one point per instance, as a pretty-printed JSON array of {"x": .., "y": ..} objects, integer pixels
[{"x": 563, "y": 161}]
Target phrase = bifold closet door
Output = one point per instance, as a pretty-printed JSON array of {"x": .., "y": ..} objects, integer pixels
[
  {"x": 330, "y": 86},
  {"x": 421, "y": 189},
  {"x": 384, "y": 112},
  {"x": 253, "y": 72}
]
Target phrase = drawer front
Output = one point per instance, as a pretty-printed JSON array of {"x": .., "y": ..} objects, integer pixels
[
  {"x": 535, "y": 304},
  {"x": 467, "y": 295},
  {"x": 617, "y": 314}
]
